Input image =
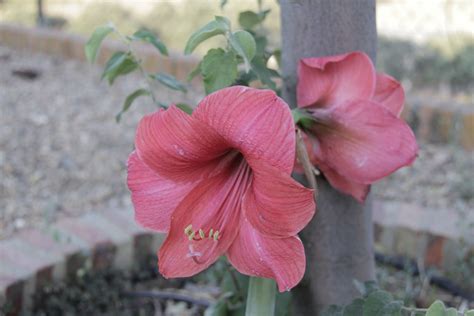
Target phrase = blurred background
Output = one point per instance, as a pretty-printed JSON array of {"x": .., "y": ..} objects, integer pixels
[{"x": 62, "y": 155}]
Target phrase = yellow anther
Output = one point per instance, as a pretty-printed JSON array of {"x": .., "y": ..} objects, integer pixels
[
  {"x": 211, "y": 232},
  {"x": 188, "y": 230},
  {"x": 201, "y": 233},
  {"x": 216, "y": 235},
  {"x": 191, "y": 235}
]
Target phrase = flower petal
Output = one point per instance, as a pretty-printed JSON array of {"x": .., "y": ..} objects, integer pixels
[
  {"x": 256, "y": 122},
  {"x": 358, "y": 191},
  {"x": 281, "y": 259},
  {"x": 213, "y": 204},
  {"x": 177, "y": 146},
  {"x": 389, "y": 92},
  {"x": 154, "y": 197},
  {"x": 362, "y": 141},
  {"x": 275, "y": 204},
  {"x": 323, "y": 81}
]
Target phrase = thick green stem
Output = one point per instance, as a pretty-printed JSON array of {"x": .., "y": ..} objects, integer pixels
[{"x": 261, "y": 297}]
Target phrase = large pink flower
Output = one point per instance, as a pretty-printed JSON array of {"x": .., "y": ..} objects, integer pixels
[
  {"x": 218, "y": 183},
  {"x": 357, "y": 137}
]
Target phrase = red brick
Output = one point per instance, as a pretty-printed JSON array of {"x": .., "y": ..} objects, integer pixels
[
  {"x": 467, "y": 131},
  {"x": 434, "y": 253}
]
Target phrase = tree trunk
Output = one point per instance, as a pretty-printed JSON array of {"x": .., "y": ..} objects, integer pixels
[{"x": 339, "y": 240}]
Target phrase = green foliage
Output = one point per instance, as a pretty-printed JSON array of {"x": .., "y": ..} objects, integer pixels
[
  {"x": 219, "y": 26},
  {"x": 376, "y": 302},
  {"x": 244, "y": 45},
  {"x": 121, "y": 63},
  {"x": 249, "y": 19},
  {"x": 129, "y": 100},
  {"x": 169, "y": 81},
  {"x": 186, "y": 108},
  {"x": 93, "y": 44},
  {"x": 219, "y": 69},
  {"x": 259, "y": 66},
  {"x": 306, "y": 120},
  {"x": 148, "y": 36}
]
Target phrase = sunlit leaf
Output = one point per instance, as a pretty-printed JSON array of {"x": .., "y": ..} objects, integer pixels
[
  {"x": 436, "y": 309},
  {"x": 244, "y": 45},
  {"x": 149, "y": 37},
  {"x": 93, "y": 44},
  {"x": 219, "y": 26},
  {"x": 219, "y": 69},
  {"x": 129, "y": 100},
  {"x": 121, "y": 63},
  {"x": 169, "y": 81}
]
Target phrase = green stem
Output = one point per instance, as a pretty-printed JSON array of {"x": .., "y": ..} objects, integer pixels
[{"x": 261, "y": 297}]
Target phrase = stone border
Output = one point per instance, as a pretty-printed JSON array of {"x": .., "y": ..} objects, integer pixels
[
  {"x": 32, "y": 258},
  {"x": 431, "y": 123}
]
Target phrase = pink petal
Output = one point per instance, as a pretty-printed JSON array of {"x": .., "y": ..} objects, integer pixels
[
  {"x": 177, "y": 146},
  {"x": 154, "y": 197},
  {"x": 362, "y": 141},
  {"x": 275, "y": 204},
  {"x": 213, "y": 204},
  {"x": 256, "y": 122},
  {"x": 323, "y": 81},
  {"x": 281, "y": 259},
  {"x": 389, "y": 92},
  {"x": 358, "y": 191}
]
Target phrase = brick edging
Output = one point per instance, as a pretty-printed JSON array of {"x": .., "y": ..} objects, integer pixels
[
  {"x": 35, "y": 257},
  {"x": 71, "y": 46}
]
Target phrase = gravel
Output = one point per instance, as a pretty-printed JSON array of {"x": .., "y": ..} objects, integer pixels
[
  {"x": 61, "y": 151},
  {"x": 63, "y": 154}
]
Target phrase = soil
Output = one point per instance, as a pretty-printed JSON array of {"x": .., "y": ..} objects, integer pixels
[{"x": 63, "y": 154}]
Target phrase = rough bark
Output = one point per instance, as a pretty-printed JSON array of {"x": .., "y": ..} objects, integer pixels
[{"x": 339, "y": 240}]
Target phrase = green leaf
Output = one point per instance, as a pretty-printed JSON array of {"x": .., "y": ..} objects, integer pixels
[
  {"x": 129, "y": 100},
  {"x": 186, "y": 108},
  {"x": 365, "y": 288},
  {"x": 244, "y": 45},
  {"x": 93, "y": 44},
  {"x": 469, "y": 313},
  {"x": 169, "y": 81},
  {"x": 121, "y": 63},
  {"x": 261, "y": 45},
  {"x": 333, "y": 310},
  {"x": 391, "y": 309},
  {"x": 451, "y": 312},
  {"x": 219, "y": 69},
  {"x": 356, "y": 308},
  {"x": 219, "y": 26},
  {"x": 249, "y": 19},
  {"x": 436, "y": 309},
  {"x": 375, "y": 303},
  {"x": 263, "y": 73},
  {"x": 149, "y": 37}
]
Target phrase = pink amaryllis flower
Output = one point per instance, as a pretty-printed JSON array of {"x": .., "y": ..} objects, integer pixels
[
  {"x": 357, "y": 136},
  {"x": 218, "y": 183}
]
